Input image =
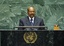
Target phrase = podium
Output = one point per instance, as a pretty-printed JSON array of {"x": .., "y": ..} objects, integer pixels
[
  {"x": 44, "y": 38},
  {"x": 16, "y": 38}
]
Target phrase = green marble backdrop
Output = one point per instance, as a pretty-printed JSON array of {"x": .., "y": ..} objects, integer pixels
[{"x": 52, "y": 11}]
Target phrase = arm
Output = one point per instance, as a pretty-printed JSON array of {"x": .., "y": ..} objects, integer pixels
[
  {"x": 20, "y": 24},
  {"x": 42, "y": 24}
]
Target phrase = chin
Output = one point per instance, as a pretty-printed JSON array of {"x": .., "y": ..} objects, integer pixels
[{"x": 31, "y": 16}]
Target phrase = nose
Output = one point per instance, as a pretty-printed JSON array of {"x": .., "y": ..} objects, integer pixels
[{"x": 32, "y": 12}]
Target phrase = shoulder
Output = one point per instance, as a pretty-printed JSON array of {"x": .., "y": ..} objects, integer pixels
[
  {"x": 38, "y": 18},
  {"x": 24, "y": 18}
]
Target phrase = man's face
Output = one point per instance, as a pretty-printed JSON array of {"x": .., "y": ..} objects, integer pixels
[{"x": 31, "y": 12}]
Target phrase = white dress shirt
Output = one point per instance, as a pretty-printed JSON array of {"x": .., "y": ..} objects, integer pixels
[{"x": 32, "y": 19}]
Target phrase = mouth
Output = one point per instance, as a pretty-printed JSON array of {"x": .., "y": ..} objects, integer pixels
[{"x": 32, "y": 15}]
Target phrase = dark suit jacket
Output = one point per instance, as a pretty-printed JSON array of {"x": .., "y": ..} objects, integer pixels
[{"x": 25, "y": 22}]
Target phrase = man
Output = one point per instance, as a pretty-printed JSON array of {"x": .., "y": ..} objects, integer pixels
[{"x": 31, "y": 20}]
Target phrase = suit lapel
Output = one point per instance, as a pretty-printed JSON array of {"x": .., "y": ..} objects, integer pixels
[
  {"x": 27, "y": 21},
  {"x": 35, "y": 21}
]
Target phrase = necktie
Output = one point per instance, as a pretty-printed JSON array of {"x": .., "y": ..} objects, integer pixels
[{"x": 31, "y": 22}]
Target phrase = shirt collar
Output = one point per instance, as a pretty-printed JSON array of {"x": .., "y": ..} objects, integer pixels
[{"x": 32, "y": 18}]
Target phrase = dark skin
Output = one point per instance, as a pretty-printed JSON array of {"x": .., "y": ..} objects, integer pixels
[{"x": 31, "y": 12}]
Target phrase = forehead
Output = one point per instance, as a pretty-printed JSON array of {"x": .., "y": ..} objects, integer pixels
[{"x": 31, "y": 9}]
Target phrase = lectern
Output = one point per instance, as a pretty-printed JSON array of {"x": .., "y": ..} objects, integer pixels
[{"x": 31, "y": 37}]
